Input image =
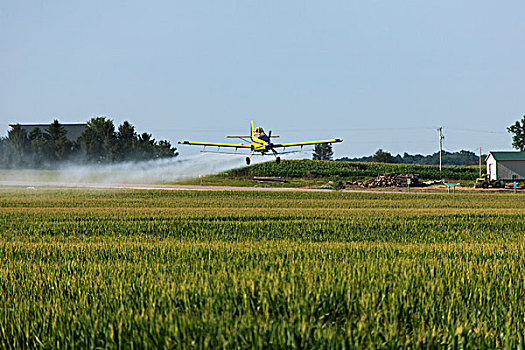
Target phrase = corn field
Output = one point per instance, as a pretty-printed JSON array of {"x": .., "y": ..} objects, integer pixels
[
  {"x": 205, "y": 269},
  {"x": 352, "y": 170}
]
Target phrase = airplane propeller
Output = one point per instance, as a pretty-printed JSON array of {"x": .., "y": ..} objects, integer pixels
[{"x": 270, "y": 137}]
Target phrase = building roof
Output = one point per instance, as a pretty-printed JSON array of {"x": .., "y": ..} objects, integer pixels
[
  {"x": 73, "y": 130},
  {"x": 508, "y": 155}
]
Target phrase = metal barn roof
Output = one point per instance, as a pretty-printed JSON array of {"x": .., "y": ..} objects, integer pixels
[
  {"x": 508, "y": 155},
  {"x": 73, "y": 130}
]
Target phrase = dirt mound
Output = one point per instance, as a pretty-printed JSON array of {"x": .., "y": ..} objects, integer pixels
[{"x": 388, "y": 180}]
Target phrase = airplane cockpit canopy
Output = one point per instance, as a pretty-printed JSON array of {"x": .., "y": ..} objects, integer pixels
[{"x": 259, "y": 133}]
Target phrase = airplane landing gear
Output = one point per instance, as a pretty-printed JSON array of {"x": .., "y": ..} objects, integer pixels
[
  {"x": 247, "y": 160},
  {"x": 277, "y": 160}
]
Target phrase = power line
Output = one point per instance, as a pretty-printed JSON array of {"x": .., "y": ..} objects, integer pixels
[{"x": 478, "y": 131}]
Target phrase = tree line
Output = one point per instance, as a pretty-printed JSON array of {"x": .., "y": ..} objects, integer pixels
[
  {"x": 100, "y": 143},
  {"x": 448, "y": 158}
]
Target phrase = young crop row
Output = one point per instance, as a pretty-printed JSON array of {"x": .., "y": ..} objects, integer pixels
[
  {"x": 113, "y": 293},
  {"x": 116, "y": 201},
  {"x": 352, "y": 170},
  {"x": 183, "y": 269},
  {"x": 309, "y": 226}
]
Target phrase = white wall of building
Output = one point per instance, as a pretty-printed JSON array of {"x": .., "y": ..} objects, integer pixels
[{"x": 492, "y": 168}]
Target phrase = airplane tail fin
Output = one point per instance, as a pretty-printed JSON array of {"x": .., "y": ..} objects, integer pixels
[{"x": 252, "y": 128}]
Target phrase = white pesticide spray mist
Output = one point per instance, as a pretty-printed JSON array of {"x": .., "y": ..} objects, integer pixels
[{"x": 158, "y": 171}]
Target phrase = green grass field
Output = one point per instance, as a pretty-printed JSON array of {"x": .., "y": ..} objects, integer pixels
[{"x": 189, "y": 269}]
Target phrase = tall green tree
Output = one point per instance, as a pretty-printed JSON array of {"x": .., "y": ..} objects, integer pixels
[
  {"x": 39, "y": 148},
  {"x": 3, "y": 152},
  {"x": 98, "y": 142},
  {"x": 58, "y": 144},
  {"x": 518, "y": 134},
  {"x": 323, "y": 151},
  {"x": 126, "y": 142},
  {"x": 19, "y": 147},
  {"x": 146, "y": 146},
  {"x": 164, "y": 150},
  {"x": 382, "y": 157}
]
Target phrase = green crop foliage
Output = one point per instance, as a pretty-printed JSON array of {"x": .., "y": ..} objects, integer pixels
[
  {"x": 352, "y": 170},
  {"x": 217, "y": 269}
]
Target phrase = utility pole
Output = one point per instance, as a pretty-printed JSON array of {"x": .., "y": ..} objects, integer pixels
[
  {"x": 480, "y": 162},
  {"x": 441, "y": 137}
]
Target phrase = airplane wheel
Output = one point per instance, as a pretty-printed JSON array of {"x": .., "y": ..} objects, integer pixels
[
  {"x": 277, "y": 160},
  {"x": 247, "y": 160}
]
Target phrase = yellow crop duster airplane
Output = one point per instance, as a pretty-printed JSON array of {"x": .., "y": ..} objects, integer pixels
[{"x": 258, "y": 141}]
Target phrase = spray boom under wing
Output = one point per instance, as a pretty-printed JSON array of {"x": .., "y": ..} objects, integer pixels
[{"x": 240, "y": 137}]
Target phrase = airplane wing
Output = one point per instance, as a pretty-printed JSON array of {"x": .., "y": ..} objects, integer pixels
[
  {"x": 306, "y": 143},
  {"x": 216, "y": 144},
  {"x": 246, "y": 137}
]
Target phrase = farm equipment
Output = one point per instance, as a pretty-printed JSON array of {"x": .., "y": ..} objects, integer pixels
[{"x": 485, "y": 182}]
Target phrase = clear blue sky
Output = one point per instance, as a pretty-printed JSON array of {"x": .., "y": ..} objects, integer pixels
[{"x": 381, "y": 74}]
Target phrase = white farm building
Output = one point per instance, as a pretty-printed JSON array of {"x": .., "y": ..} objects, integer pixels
[{"x": 507, "y": 166}]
